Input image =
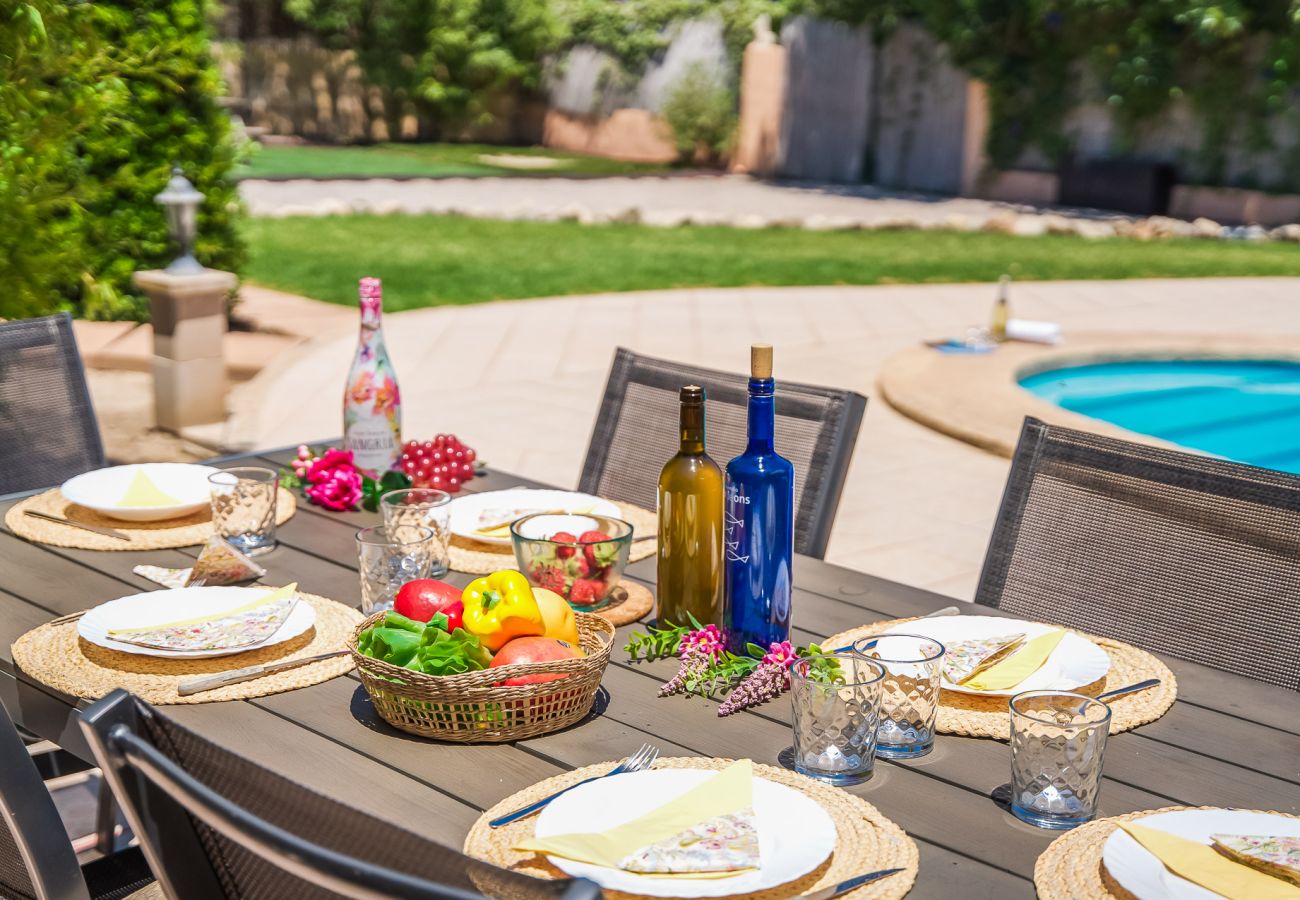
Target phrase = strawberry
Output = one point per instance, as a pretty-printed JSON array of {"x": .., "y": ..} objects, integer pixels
[
  {"x": 599, "y": 550},
  {"x": 552, "y": 579},
  {"x": 587, "y": 592},
  {"x": 577, "y": 567},
  {"x": 564, "y": 552}
]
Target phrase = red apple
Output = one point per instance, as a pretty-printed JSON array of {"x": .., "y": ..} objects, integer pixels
[
  {"x": 534, "y": 649},
  {"x": 421, "y": 598}
]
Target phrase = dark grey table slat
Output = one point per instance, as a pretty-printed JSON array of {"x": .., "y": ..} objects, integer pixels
[{"x": 966, "y": 842}]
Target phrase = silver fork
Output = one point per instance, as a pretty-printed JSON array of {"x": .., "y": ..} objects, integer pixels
[{"x": 642, "y": 759}]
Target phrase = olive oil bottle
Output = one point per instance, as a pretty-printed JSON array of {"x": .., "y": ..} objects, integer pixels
[{"x": 690, "y": 525}]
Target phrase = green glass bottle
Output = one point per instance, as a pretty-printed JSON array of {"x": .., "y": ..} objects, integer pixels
[{"x": 690, "y": 525}]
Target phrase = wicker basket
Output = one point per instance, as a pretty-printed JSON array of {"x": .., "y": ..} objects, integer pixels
[{"x": 476, "y": 707}]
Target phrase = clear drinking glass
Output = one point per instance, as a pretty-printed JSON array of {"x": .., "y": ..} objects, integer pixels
[
  {"x": 910, "y": 694},
  {"x": 836, "y": 698},
  {"x": 243, "y": 507},
  {"x": 413, "y": 508},
  {"x": 1057, "y": 741},
  {"x": 386, "y": 561}
]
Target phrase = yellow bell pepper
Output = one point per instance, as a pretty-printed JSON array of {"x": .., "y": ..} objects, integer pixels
[
  {"x": 557, "y": 616},
  {"x": 500, "y": 607}
]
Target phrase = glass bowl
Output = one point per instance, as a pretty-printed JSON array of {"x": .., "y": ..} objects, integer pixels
[{"x": 582, "y": 572}]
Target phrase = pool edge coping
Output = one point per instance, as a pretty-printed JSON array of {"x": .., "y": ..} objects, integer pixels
[{"x": 977, "y": 398}]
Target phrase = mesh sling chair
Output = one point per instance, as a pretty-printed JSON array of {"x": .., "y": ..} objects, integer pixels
[
  {"x": 36, "y": 857},
  {"x": 1174, "y": 552},
  {"x": 637, "y": 432},
  {"x": 216, "y": 825},
  {"x": 46, "y": 420}
]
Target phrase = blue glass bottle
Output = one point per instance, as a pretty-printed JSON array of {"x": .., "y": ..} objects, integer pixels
[{"x": 759, "y": 523}]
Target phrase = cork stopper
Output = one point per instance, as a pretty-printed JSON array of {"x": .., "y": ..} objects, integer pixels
[{"x": 760, "y": 361}]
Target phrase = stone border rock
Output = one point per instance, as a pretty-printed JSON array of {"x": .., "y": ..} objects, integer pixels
[
  {"x": 976, "y": 398},
  {"x": 1010, "y": 219}
]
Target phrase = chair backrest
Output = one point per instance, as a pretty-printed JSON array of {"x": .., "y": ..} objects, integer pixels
[
  {"x": 637, "y": 432},
  {"x": 1174, "y": 552},
  {"x": 36, "y": 857},
  {"x": 46, "y": 419},
  {"x": 213, "y": 824}
]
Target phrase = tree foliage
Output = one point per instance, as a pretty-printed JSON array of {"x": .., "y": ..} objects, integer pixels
[
  {"x": 450, "y": 59},
  {"x": 97, "y": 102}
]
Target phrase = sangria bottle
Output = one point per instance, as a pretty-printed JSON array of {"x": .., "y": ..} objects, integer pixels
[
  {"x": 759, "y": 523},
  {"x": 690, "y": 525},
  {"x": 372, "y": 404}
]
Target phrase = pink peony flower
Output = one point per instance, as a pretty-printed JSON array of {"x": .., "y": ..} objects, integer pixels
[
  {"x": 709, "y": 640},
  {"x": 334, "y": 481}
]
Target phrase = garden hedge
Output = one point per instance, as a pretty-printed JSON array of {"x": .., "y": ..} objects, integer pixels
[{"x": 97, "y": 102}]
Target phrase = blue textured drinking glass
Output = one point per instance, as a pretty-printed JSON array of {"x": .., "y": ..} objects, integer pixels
[
  {"x": 1057, "y": 742},
  {"x": 909, "y": 700},
  {"x": 759, "y": 525},
  {"x": 835, "y": 699}
]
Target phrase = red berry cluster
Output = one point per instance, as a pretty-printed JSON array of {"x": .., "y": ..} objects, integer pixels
[{"x": 443, "y": 463}]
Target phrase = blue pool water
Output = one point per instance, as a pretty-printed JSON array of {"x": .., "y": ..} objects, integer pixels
[{"x": 1243, "y": 410}]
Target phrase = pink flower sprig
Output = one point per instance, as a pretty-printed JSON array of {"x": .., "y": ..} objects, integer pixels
[
  {"x": 709, "y": 640},
  {"x": 769, "y": 679}
]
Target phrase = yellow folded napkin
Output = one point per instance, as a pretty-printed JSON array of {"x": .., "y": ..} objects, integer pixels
[
  {"x": 707, "y": 832},
  {"x": 1201, "y": 864},
  {"x": 274, "y": 597},
  {"x": 1019, "y": 665},
  {"x": 143, "y": 492}
]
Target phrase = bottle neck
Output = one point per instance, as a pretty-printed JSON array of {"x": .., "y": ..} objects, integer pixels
[
  {"x": 762, "y": 415},
  {"x": 692, "y": 425}
]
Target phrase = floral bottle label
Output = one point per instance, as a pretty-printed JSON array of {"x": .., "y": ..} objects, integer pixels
[{"x": 372, "y": 405}]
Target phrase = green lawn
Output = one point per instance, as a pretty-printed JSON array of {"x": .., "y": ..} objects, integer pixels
[
  {"x": 437, "y": 260},
  {"x": 431, "y": 160}
]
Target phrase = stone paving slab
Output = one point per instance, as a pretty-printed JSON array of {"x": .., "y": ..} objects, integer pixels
[{"x": 521, "y": 382}]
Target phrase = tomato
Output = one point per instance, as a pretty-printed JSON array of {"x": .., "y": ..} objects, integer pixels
[
  {"x": 421, "y": 598},
  {"x": 533, "y": 649}
]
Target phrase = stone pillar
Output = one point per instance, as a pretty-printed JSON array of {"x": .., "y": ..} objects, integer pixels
[
  {"x": 189, "y": 320},
  {"x": 762, "y": 99}
]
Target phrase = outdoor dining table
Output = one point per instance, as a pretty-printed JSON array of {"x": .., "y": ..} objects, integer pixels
[{"x": 1228, "y": 741}]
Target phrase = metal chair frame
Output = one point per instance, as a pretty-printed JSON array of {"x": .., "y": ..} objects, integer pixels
[
  {"x": 29, "y": 813},
  {"x": 158, "y": 797}
]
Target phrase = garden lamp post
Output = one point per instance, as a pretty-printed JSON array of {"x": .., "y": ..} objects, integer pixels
[
  {"x": 180, "y": 200},
  {"x": 187, "y": 305}
]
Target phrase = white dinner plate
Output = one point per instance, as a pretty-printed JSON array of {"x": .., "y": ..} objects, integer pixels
[
  {"x": 1143, "y": 875},
  {"x": 795, "y": 834},
  {"x": 474, "y": 511},
  {"x": 1075, "y": 662},
  {"x": 158, "y": 607},
  {"x": 102, "y": 490}
]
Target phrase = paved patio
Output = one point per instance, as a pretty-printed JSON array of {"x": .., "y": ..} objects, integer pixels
[{"x": 521, "y": 382}]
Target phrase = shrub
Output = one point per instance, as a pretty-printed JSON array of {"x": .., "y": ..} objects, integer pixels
[
  {"x": 701, "y": 111},
  {"x": 97, "y": 102}
]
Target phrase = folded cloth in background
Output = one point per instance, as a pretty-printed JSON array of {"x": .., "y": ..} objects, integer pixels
[
  {"x": 218, "y": 564},
  {"x": 1033, "y": 331}
]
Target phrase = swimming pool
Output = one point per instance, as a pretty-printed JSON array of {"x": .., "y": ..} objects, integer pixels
[{"x": 1246, "y": 410}]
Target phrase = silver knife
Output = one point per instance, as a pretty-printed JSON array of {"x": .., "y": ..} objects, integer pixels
[
  {"x": 845, "y": 886},
  {"x": 97, "y": 529},
  {"x": 221, "y": 679},
  {"x": 937, "y": 614}
]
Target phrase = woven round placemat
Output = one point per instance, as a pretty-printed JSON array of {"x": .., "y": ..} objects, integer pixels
[
  {"x": 54, "y": 655},
  {"x": 631, "y": 602},
  {"x": 192, "y": 529},
  {"x": 478, "y": 558},
  {"x": 973, "y": 716},
  {"x": 865, "y": 839},
  {"x": 1071, "y": 867}
]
